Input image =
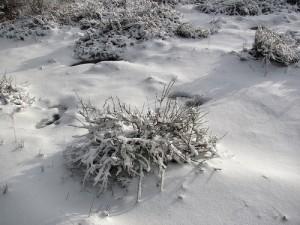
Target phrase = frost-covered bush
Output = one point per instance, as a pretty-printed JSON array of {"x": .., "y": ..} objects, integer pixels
[
  {"x": 122, "y": 143},
  {"x": 109, "y": 39},
  {"x": 101, "y": 48},
  {"x": 72, "y": 12},
  {"x": 230, "y": 7},
  {"x": 186, "y": 30},
  {"x": 11, "y": 94},
  {"x": 241, "y": 7},
  {"x": 274, "y": 47},
  {"x": 24, "y": 28},
  {"x": 11, "y": 9}
]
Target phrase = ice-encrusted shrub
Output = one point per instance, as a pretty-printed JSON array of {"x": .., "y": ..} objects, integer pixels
[
  {"x": 122, "y": 143},
  {"x": 241, "y": 7},
  {"x": 109, "y": 39},
  {"x": 72, "y": 12},
  {"x": 139, "y": 21},
  {"x": 274, "y": 47},
  {"x": 186, "y": 30},
  {"x": 94, "y": 47},
  {"x": 229, "y": 7},
  {"x": 25, "y": 27},
  {"x": 11, "y": 94},
  {"x": 11, "y": 9}
]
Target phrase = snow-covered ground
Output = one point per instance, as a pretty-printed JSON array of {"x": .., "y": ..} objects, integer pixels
[{"x": 256, "y": 179}]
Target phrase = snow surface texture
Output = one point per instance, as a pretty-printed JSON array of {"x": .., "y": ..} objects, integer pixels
[{"x": 255, "y": 181}]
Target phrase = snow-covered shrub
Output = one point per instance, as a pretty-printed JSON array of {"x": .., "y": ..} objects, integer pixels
[
  {"x": 271, "y": 6},
  {"x": 186, "y": 30},
  {"x": 11, "y": 94},
  {"x": 274, "y": 47},
  {"x": 122, "y": 142},
  {"x": 72, "y": 12},
  {"x": 241, "y": 7},
  {"x": 24, "y": 28},
  {"x": 101, "y": 48},
  {"x": 9, "y": 9},
  {"x": 108, "y": 40},
  {"x": 230, "y": 7}
]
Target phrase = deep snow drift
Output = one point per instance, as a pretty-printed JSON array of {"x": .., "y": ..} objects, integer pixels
[{"x": 256, "y": 179}]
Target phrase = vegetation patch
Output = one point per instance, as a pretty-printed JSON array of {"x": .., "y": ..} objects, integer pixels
[
  {"x": 11, "y": 94},
  {"x": 274, "y": 47},
  {"x": 241, "y": 7},
  {"x": 25, "y": 28},
  {"x": 122, "y": 143}
]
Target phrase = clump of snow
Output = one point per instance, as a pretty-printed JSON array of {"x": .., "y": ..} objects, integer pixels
[
  {"x": 11, "y": 94},
  {"x": 25, "y": 27},
  {"x": 241, "y": 7},
  {"x": 274, "y": 47},
  {"x": 123, "y": 143}
]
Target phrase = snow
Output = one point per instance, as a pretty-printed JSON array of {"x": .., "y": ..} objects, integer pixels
[{"x": 256, "y": 179}]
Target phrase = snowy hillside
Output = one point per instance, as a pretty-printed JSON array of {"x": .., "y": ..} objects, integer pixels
[{"x": 254, "y": 109}]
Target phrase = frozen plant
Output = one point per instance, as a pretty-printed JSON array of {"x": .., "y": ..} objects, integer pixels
[
  {"x": 73, "y": 12},
  {"x": 229, "y": 7},
  {"x": 122, "y": 143},
  {"x": 241, "y": 7},
  {"x": 124, "y": 27},
  {"x": 136, "y": 21},
  {"x": 274, "y": 47},
  {"x": 25, "y": 27},
  {"x": 186, "y": 30},
  {"x": 11, "y": 94}
]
